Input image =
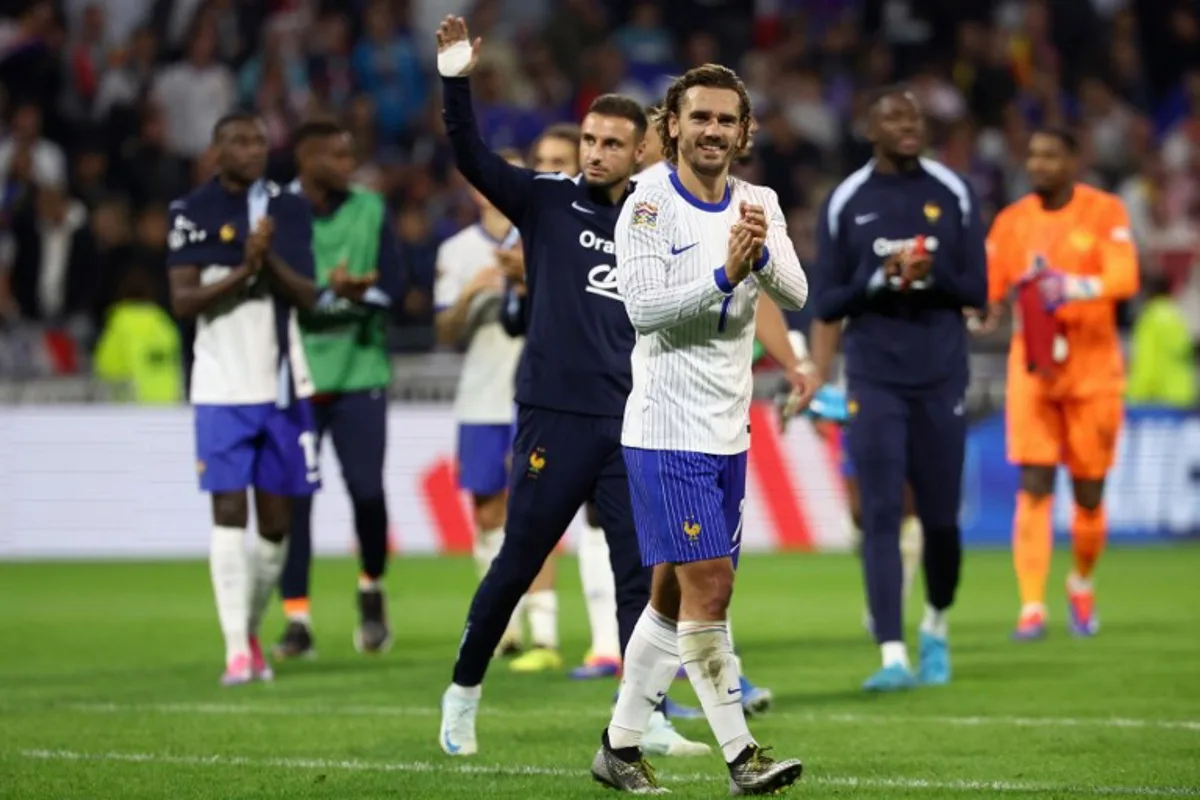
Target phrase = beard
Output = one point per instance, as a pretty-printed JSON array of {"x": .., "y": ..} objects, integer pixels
[{"x": 701, "y": 166}]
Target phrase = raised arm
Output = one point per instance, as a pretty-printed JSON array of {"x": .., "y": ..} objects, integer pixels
[
  {"x": 508, "y": 187},
  {"x": 643, "y": 249},
  {"x": 781, "y": 276}
]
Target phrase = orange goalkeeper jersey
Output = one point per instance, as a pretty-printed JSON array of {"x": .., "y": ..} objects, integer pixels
[{"x": 1089, "y": 237}]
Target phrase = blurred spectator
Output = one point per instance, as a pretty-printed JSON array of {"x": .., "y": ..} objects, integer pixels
[
  {"x": 1162, "y": 369},
  {"x": 194, "y": 94},
  {"x": 116, "y": 100},
  {"x": 25, "y": 140},
  {"x": 387, "y": 68},
  {"x": 139, "y": 349},
  {"x": 54, "y": 274}
]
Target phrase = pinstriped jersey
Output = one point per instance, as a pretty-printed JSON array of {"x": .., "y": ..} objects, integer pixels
[{"x": 695, "y": 332}]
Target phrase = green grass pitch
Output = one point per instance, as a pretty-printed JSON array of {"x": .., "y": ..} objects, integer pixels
[{"x": 108, "y": 689}]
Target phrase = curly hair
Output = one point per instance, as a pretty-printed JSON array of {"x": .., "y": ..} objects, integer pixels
[{"x": 709, "y": 76}]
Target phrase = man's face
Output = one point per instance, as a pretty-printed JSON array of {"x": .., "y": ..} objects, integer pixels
[
  {"x": 333, "y": 162},
  {"x": 553, "y": 154},
  {"x": 708, "y": 128},
  {"x": 898, "y": 126},
  {"x": 1050, "y": 164},
  {"x": 608, "y": 149},
  {"x": 242, "y": 150}
]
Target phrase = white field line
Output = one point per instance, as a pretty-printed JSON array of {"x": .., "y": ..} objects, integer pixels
[
  {"x": 454, "y": 767},
  {"x": 815, "y": 718}
]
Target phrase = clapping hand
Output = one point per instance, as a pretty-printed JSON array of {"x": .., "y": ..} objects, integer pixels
[
  {"x": 259, "y": 243},
  {"x": 512, "y": 263},
  {"x": 350, "y": 287},
  {"x": 756, "y": 219}
]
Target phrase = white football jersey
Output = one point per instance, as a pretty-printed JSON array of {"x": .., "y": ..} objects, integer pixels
[
  {"x": 691, "y": 363},
  {"x": 236, "y": 348},
  {"x": 485, "y": 385},
  {"x": 654, "y": 173}
]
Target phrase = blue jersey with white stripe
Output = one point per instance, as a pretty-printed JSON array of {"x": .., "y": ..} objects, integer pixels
[{"x": 916, "y": 340}]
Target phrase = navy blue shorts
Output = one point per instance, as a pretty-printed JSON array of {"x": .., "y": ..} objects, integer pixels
[
  {"x": 260, "y": 445},
  {"x": 483, "y": 457},
  {"x": 687, "y": 506}
]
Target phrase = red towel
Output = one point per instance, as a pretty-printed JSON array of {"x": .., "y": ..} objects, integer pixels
[{"x": 1040, "y": 330}]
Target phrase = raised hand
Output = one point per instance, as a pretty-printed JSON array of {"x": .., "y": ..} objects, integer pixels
[{"x": 457, "y": 54}]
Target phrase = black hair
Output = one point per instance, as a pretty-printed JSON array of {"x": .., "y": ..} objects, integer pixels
[
  {"x": 877, "y": 95},
  {"x": 231, "y": 119},
  {"x": 1068, "y": 138},
  {"x": 317, "y": 129}
]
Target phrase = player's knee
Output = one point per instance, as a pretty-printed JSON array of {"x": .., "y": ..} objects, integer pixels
[
  {"x": 230, "y": 509},
  {"x": 1037, "y": 481},
  {"x": 1089, "y": 494},
  {"x": 706, "y": 587},
  {"x": 489, "y": 511}
]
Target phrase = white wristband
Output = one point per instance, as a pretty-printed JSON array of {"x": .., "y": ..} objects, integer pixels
[{"x": 454, "y": 59}]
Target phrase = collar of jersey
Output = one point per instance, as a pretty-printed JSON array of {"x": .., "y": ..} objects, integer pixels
[
  {"x": 721, "y": 205},
  {"x": 256, "y": 189}
]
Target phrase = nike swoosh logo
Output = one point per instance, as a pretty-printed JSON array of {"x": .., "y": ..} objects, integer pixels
[
  {"x": 864, "y": 219},
  {"x": 677, "y": 250},
  {"x": 578, "y": 207},
  {"x": 733, "y": 691}
]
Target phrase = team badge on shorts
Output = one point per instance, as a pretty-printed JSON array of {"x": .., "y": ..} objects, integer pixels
[
  {"x": 537, "y": 462},
  {"x": 645, "y": 215},
  {"x": 227, "y": 233},
  {"x": 933, "y": 212},
  {"x": 691, "y": 529}
]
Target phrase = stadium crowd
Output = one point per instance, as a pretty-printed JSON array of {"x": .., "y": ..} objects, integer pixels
[{"x": 108, "y": 106}]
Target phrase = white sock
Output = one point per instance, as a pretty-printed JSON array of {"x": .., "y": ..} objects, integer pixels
[
  {"x": 542, "y": 609},
  {"x": 935, "y": 622},
  {"x": 651, "y": 661},
  {"x": 599, "y": 592},
  {"x": 733, "y": 647},
  {"x": 1076, "y": 583},
  {"x": 266, "y": 563},
  {"x": 486, "y": 548},
  {"x": 911, "y": 543},
  {"x": 466, "y": 692},
  {"x": 1029, "y": 609},
  {"x": 707, "y": 656},
  {"x": 894, "y": 653},
  {"x": 231, "y": 587}
]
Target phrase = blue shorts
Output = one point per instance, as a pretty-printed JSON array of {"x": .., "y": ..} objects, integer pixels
[
  {"x": 483, "y": 457},
  {"x": 847, "y": 464},
  {"x": 687, "y": 506},
  {"x": 260, "y": 445}
]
